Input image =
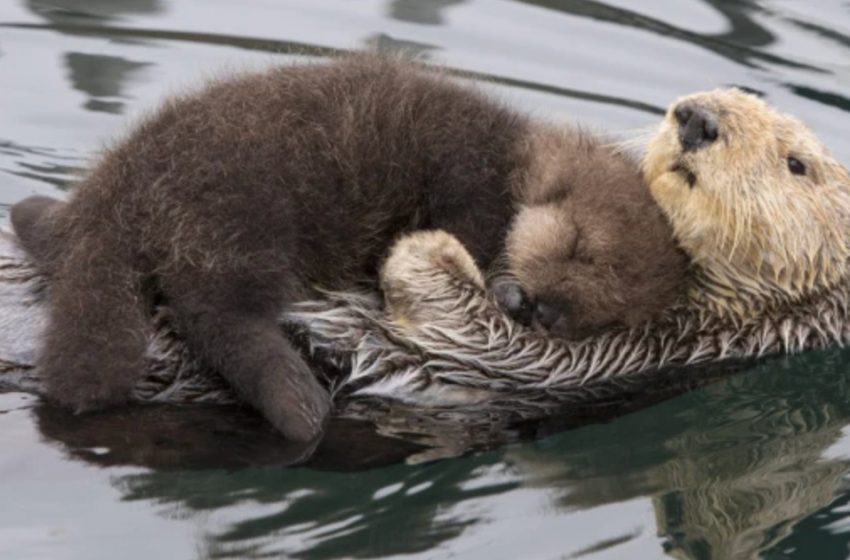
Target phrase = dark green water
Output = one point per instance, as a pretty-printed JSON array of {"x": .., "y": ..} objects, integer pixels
[{"x": 752, "y": 466}]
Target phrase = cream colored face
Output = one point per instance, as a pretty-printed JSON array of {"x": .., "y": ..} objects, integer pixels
[{"x": 765, "y": 201}]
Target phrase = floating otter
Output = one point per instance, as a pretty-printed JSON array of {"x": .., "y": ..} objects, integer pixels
[
  {"x": 443, "y": 341},
  {"x": 775, "y": 281},
  {"x": 236, "y": 202},
  {"x": 761, "y": 208}
]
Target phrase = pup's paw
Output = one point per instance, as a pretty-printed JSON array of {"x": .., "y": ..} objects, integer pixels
[
  {"x": 422, "y": 252},
  {"x": 416, "y": 278}
]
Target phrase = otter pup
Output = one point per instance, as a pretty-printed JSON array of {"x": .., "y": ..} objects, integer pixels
[{"x": 235, "y": 202}]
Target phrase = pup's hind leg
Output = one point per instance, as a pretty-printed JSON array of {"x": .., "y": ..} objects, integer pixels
[
  {"x": 236, "y": 333},
  {"x": 96, "y": 334},
  {"x": 36, "y": 224}
]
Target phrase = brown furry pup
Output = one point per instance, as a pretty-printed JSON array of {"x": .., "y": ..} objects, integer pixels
[{"x": 233, "y": 202}]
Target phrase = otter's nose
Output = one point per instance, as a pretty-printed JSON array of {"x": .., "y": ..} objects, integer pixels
[
  {"x": 697, "y": 126},
  {"x": 514, "y": 301},
  {"x": 548, "y": 312}
]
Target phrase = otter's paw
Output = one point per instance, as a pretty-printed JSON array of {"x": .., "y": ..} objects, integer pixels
[
  {"x": 421, "y": 266},
  {"x": 424, "y": 251}
]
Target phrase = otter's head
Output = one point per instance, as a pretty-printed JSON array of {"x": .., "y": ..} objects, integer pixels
[
  {"x": 754, "y": 198},
  {"x": 588, "y": 245}
]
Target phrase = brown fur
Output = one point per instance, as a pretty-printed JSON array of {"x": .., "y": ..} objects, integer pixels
[
  {"x": 236, "y": 201},
  {"x": 588, "y": 235}
]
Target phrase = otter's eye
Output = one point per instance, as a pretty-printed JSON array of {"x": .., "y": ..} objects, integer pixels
[{"x": 796, "y": 166}]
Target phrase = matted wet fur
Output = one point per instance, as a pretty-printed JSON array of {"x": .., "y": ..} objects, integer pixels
[{"x": 234, "y": 202}]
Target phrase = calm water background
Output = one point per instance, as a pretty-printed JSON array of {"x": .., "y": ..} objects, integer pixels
[{"x": 753, "y": 466}]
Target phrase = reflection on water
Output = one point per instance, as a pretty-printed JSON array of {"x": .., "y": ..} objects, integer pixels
[
  {"x": 723, "y": 485},
  {"x": 101, "y": 78},
  {"x": 744, "y": 28},
  {"x": 752, "y": 466},
  {"x": 730, "y": 471},
  {"x": 425, "y": 13},
  {"x": 59, "y": 10},
  {"x": 337, "y": 516},
  {"x": 739, "y": 44}
]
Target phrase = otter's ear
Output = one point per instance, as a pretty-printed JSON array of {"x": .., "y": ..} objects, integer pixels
[{"x": 35, "y": 221}]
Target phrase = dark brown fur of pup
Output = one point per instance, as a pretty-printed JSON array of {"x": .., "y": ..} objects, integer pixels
[{"x": 242, "y": 198}]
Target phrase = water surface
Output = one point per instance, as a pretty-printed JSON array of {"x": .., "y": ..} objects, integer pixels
[{"x": 753, "y": 466}]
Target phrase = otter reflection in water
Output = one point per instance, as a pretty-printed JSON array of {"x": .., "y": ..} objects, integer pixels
[{"x": 731, "y": 470}]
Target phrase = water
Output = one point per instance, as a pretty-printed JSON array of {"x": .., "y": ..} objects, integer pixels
[{"x": 755, "y": 465}]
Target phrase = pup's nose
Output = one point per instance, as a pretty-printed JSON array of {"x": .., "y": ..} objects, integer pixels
[
  {"x": 548, "y": 312},
  {"x": 514, "y": 301},
  {"x": 697, "y": 126}
]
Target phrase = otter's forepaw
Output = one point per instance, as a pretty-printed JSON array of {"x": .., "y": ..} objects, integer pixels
[
  {"x": 417, "y": 269},
  {"x": 424, "y": 251}
]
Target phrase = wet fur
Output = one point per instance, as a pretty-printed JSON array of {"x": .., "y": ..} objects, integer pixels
[{"x": 235, "y": 202}]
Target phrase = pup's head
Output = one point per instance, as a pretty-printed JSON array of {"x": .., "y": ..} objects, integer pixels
[
  {"x": 754, "y": 198},
  {"x": 588, "y": 245}
]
